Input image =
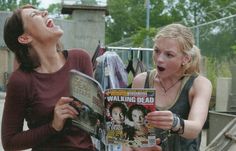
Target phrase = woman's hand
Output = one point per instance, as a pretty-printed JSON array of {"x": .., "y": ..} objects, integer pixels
[
  {"x": 160, "y": 119},
  {"x": 63, "y": 111},
  {"x": 153, "y": 148}
]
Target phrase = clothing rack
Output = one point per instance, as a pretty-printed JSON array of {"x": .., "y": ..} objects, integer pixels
[
  {"x": 128, "y": 48},
  {"x": 139, "y": 51}
]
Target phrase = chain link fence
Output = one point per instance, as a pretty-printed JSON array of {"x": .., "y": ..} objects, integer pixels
[{"x": 216, "y": 40}]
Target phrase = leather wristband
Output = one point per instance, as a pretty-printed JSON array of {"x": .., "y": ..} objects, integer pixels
[
  {"x": 178, "y": 127},
  {"x": 176, "y": 122},
  {"x": 181, "y": 129}
]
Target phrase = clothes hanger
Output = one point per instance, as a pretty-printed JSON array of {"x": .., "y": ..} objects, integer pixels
[
  {"x": 130, "y": 67},
  {"x": 98, "y": 52}
]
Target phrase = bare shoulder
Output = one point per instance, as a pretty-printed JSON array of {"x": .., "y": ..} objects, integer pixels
[
  {"x": 139, "y": 80},
  {"x": 202, "y": 83},
  {"x": 201, "y": 90},
  {"x": 201, "y": 80}
]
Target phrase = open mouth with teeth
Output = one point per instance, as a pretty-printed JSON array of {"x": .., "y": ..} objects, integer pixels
[{"x": 161, "y": 68}]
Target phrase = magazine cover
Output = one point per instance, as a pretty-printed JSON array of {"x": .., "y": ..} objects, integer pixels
[
  {"x": 125, "y": 112},
  {"x": 89, "y": 102}
]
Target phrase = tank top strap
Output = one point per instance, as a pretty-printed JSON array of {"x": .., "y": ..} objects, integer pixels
[
  {"x": 146, "y": 84},
  {"x": 188, "y": 83},
  {"x": 149, "y": 78}
]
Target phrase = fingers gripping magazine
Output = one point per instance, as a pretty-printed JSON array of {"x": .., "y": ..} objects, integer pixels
[{"x": 118, "y": 115}]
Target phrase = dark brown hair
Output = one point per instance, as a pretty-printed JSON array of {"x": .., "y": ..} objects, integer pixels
[
  {"x": 120, "y": 105},
  {"x": 136, "y": 107},
  {"x": 13, "y": 28}
]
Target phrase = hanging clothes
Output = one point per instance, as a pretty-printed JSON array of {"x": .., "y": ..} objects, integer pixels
[
  {"x": 110, "y": 71},
  {"x": 98, "y": 52},
  {"x": 140, "y": 65},
  {"x": 130, "y": 69}
]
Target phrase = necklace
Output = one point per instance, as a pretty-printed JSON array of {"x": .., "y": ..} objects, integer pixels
[{"x": 166, "y": 89}]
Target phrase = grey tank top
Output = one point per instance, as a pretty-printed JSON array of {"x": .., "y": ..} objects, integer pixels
[{"x": 174, "y": 142}]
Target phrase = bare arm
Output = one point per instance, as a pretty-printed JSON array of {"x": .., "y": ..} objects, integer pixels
[{"x": 201, "y": 94}]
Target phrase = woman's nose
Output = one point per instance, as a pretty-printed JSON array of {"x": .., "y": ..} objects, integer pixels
[{"x": 160, "y": 58}]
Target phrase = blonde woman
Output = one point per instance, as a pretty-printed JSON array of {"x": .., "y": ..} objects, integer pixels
[{"x": 183, "y": 95}]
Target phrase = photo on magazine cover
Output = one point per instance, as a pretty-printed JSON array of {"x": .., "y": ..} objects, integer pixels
[
  {"x": 87, "y": 119},
  {"x": 125, "y": 112}
]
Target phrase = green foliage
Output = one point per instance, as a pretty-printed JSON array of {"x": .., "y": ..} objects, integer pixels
[
  {"x": 141, "y": 35},
  {"x": 54, "y": 8},
  {"x": 217, "y": 40},
  {"x": 234, "y": 54},
  {"x": 8, "y": 5},
  {"x": 128, "y": 17},
  {"x": 234, "y": 48},
  {"x": 202, "y": 11},
  {"x": 32, "y": 2},
  {"x": 216, "y": 69}
]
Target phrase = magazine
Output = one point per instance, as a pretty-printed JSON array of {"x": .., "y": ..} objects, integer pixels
[
  {"x": 114, "y": 116},
  {"x": 125, "y": 117},
  {"x": 89, "y": 102}
]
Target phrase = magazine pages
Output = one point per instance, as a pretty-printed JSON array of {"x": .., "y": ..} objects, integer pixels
[
  {"x": 125, "y": 112},
  {"x": 89, "y": 102},
  {"x": 115, "y": 116}
]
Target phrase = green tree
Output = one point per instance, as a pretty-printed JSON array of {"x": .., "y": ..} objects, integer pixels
[
  {"x": 32, "y": 2},
  {"x": 197, "y": 12},
  {"x": 128, "y": 17},
  {"x": 54, "y": 8},
  {"x": 8, "y": 5}
]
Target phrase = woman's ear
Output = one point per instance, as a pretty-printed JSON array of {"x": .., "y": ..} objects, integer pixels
[
  {"x": 186, "y": 59},
  {"x": 24, "y": 38}
]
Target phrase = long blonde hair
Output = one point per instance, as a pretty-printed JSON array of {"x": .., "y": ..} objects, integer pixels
[{"x": 184, "y": 36}]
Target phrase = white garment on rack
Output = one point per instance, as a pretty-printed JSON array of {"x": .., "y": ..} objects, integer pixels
[{"x": 110, "y": 71}]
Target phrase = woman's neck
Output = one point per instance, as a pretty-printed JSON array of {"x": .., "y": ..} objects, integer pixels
[
  {"x": 168, "y": 83},
  {"x": 51, "y": 64},
  {"x": 50, "y": 59}
]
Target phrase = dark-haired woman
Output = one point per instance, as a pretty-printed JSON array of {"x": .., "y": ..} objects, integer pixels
[{"x": 38, "y": 90}]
